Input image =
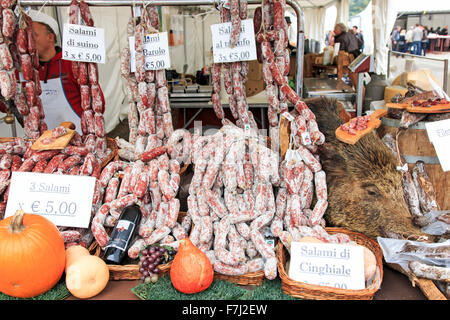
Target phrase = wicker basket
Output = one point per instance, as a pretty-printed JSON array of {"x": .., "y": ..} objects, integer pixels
[
  {"x": 248, "y": 279},
  {"x": 316, "y": 292},
  {"x": 128, "y": 271}
]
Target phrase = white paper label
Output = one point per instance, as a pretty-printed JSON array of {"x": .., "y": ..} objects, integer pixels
[
  {"x": 226, "y": 4},
  {"x": 156, "y": 52},
  {"x": 288, "y": 116},
  {"x": 439, "y": 136},
  {"x": 328, "y": 264},
  {"x": 65, "y": 200},
  {"x": 306, "y": 138},
  {"x": 245, "y": 49},
  {"x": 83, "y": 43}
]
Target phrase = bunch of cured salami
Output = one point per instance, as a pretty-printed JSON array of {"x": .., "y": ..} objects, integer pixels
[
  {"x": 74, "y": 159},
  {"x": 231, "y": 200},
  {"x": 92, "y": 120},
  {"x": 153, "y": 185},
  {"x": 302, "y": 177},
  {"x": 8, "y": 53},
  {"x": 149, "y": 115},
  {"x": 18, "y": 53},
  {"x": 272, "y": 40},
  {"x": 234, "y": 73}
]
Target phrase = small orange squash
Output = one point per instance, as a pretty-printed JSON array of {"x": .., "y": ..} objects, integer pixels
[
  {"x": 74, "y": 252},
  {"x": 87, "y": 276},
  {"x": 191, "y": 271},
  {"x": 32, "y": 255}
]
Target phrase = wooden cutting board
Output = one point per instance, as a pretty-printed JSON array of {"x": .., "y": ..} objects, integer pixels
[
  {"x": 59, "y": 143},
  {"x": 439, "y": 108},
  {"x": 373, "y": 123}
]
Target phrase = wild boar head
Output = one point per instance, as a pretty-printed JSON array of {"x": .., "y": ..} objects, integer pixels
[{"x": 365, "y": 192}]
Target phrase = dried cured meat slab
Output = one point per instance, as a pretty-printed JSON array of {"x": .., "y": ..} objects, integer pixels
[
  {"x": 47, "y": 140},
  {"x": 373, "y": 123},
  {"x": 438, "y": 108}
]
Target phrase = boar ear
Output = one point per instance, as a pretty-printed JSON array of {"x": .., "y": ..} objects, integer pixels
[{"x": 331, "y": 159}]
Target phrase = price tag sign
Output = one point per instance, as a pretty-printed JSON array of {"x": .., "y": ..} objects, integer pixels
[
  {"x": 439, "y": 136},
  {"x": 83, "y": 43},
  {"x": 156, "y": 52},
  {"x": 65, "y": 200},
  {"x": 328, "y": 264},
  {"x": 245, "y": 49}
]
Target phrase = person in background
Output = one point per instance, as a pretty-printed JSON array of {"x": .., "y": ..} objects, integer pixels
[
  {"x": 402, "y": 41},
  {"x": 349, "y": 49},
  {"x": 292, "y": 37},
  {"x": 417, "y": 36},
  {"x": 347, "y": 40},
  {"x": 425, "y": 42},
  {"x": 359, "y": 35},
  {"x": 395, "y": 37},
  {"x": 409, "y": 40},
  {"x": 444, "y": 32},
  {"x": 60, "y": 96}
]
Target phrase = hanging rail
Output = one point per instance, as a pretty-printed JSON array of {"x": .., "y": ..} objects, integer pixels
[{"x": 115, "y": 3}]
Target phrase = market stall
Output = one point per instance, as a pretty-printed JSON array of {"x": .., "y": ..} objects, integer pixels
[{"x": 293, "y": 211}]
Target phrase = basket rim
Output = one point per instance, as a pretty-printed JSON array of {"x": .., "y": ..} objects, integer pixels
[{"x": 368, "y": 291}]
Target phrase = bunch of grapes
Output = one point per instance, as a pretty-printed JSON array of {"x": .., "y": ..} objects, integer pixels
[{"x": 150, "y": 258}]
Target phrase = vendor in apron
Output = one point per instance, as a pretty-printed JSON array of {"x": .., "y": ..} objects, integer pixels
[{"x": 60, "y": 96}]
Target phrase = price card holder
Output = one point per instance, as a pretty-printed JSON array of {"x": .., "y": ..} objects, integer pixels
[
  {"x": 328, "y": 264},
  {"x": 156, "y": 52},
  {"x": 439, "y": 136},
  {"x": 63, "y": 199},
  {"x": 83, "y": 43},
  {"x": 245, "y": 49}
]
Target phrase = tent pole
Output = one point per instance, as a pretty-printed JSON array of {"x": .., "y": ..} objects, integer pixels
[{"x": 300, "y": 45}]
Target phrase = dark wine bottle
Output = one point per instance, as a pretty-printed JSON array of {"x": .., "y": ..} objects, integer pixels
[{"x": 122, "y": 235}]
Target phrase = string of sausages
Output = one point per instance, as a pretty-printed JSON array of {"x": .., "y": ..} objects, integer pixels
[
  {"x": 27, "y": 100},
  {"x": 271, "y": 40},
  {"x": 92, "y": 119},
  {"x": 18, "y": 53},
  {"x": 302, "y": 178},
  {"x": 8, "y": 64},
  {"x": 234, "y": 73},
  {"x": 231, "y": 200},
  {"x": 149, "y": 114},
  {"x": 418, "y": 189}
]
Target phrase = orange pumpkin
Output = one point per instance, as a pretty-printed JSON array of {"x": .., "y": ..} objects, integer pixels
[
  {"x": 191, "y": 271},
  {"x": 32, "y": 255}
]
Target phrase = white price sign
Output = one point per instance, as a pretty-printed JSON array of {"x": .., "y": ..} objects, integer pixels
[
  {"x": 156, "y": 52},
  {"x": 328, "y": 264},
  {"x": 83, "y": 43},
  {"x": 245, "y": 49},
  {"x": 439, "y": 136},
  {"x": 65, "y": 200}
]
